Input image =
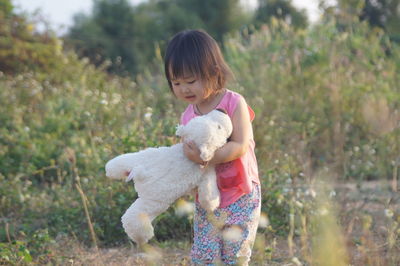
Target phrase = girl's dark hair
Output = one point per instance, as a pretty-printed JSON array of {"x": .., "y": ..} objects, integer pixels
[{"x": 195, "y": 52}]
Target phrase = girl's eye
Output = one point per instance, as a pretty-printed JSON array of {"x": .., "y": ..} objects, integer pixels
[
  {"x": 191, "y": 82},
  {"x": 176, "y": 83}
]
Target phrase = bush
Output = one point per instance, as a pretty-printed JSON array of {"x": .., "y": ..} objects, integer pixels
[
  {"x": 324, "y": 99},
  {"x": 21, "y": 47}
]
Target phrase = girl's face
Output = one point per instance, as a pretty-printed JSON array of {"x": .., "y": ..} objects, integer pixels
[{"x": 189, "y": 89}]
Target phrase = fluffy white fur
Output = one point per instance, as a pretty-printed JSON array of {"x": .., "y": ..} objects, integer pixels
[{"x": 162, "y": 175}]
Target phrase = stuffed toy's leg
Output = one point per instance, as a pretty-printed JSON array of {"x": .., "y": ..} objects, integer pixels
[
  {"x": 208, "y": 190},
  {"x": 137, "y": 219}
]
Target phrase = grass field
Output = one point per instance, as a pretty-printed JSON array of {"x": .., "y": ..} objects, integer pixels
[{"x": 327, "y": 105}]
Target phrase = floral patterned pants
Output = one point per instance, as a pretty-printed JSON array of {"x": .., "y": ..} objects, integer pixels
[{"x": 227, "y": 235}]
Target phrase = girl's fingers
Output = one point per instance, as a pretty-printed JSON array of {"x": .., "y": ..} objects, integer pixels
[{"x": 189, "y": 145}]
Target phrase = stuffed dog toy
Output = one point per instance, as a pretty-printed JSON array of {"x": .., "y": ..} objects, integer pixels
[{"x": 162, "y": 175}]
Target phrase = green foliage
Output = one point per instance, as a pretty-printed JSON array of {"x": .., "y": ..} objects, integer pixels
[
  {"x": 21, "y": 48},
  {"x": 313, "y": 93},
  {"x": 127, "y": 35},
  {"x": 325, "y": 99},
  {"x": 282, "y": 10},
  {"x": 6, "y": 8},
  {"x": 217, "y": 17},
  {"x": 22, "y": 252},
  {"x": 14, "y": 253},
  {"x": 108, "y": 34},
  {"x": 383, "y": 14}
]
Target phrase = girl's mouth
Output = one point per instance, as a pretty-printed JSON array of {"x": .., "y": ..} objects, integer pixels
[{"x": 192, "y": 97}]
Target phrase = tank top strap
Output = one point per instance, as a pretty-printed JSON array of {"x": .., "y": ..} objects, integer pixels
[{"x": 230, "y": 101}]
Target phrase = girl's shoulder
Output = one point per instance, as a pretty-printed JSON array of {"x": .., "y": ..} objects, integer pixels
[
  {"x": 233, "y": 95},
  {"x": 230, "y": 101}
]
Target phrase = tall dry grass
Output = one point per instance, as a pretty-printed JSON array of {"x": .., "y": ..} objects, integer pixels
[{"x": 327, "y": 105}]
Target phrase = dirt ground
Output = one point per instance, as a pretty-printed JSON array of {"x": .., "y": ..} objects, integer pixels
[{"x": 368, "y": 214}]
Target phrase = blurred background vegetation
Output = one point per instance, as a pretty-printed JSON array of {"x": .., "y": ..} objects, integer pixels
[{"x": 326, "y": 97}]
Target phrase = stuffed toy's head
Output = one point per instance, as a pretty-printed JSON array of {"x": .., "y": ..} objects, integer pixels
[{"x": 209, "y": 132}]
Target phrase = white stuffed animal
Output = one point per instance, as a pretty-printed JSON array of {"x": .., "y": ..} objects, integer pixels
[{"x": 162, "y": 175}]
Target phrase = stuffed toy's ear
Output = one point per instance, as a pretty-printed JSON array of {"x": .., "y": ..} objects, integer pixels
[
  {"x": 180, "y": 130},
  {"x": 205, "y": 152}
]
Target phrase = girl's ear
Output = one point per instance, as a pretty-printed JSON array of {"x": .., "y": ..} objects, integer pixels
[{"x": 180, "y": 130}]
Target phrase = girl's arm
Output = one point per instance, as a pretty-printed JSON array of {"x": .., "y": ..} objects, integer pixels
[{"x": 239, "y": 141}]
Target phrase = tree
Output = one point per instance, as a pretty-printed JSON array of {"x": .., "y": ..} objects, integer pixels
[
  {"x": 108, "y": 33},
  {"x": 156, "y": 21},
  {"x": 384, "y": 14},
  {"x": 280, "y": 9},
  {"x": 21, "y": 47},
  {"x": 127, "y": 34},
  {"x": 218, "y": 17}
]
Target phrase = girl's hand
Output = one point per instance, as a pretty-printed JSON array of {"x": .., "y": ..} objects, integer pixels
[{"x": 192, "y": 152}]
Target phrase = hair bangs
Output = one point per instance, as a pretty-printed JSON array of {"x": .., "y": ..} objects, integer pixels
[
  {"x": 195, "y": 53},
  {"x": 185, "y": 61}
]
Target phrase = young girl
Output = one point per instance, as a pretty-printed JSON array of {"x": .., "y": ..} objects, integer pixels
[{"x": 197, "y": 73}]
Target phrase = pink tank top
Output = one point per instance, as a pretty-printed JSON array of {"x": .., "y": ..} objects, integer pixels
[{"x": 234, "y": 178}]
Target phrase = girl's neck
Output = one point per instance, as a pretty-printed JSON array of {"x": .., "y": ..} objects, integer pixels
[{"x": 210, "y": 103}]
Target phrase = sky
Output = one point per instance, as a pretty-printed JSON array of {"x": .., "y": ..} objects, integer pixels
[{"x": 60, "y": 12}]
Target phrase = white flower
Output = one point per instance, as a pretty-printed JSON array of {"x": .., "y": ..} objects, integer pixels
[
  {"x": 264, "y": 222},
  {"x": 388, "y": 213},
  {"x": 21, "y": 197},
  {"x": 311, "y": 192},
  {"x": 323, "y": 211},
  {"x": 147, "y": 116},
  {"x": 280, "y": 199},
  {"x": 332, "y": 193},
  {"x": 366, "y": 147},
  {"x": 296, "y": 261},
  {"x": 116, "y": 98},
  {"x": 233, "y": 233},
  {"x": 298, "y": 204},
  {"x": 184, "y": 208}
]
